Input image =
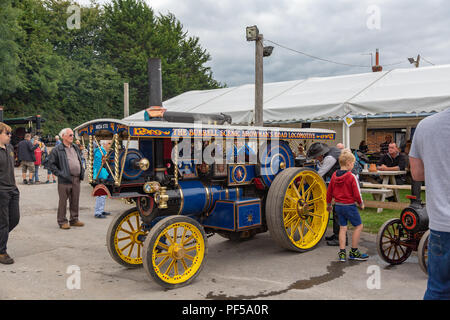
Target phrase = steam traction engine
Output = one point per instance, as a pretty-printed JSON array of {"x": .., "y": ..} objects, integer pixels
[
  {"x": 253, "y": 185},
  {"x": 399, "y": 237}
]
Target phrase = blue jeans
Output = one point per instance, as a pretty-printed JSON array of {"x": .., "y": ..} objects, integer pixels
[
  {"x": 36, "y": 173},
  {"x": 100, "y": 205},
  {"x": 438, "y": 287}
]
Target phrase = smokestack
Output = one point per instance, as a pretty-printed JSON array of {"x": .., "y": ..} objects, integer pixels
[
  {"x": 1, "y": 113},
  {"x": 155, "y": 82},
  {"x": 38, "y": 125},
  {"x": 377, "y": 67},
  {"x": 155, "y": 106}
]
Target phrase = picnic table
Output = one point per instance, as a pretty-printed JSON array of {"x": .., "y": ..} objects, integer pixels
[{"x": 388, "y": 178}]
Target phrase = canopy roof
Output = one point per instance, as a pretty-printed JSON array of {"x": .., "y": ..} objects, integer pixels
[{"x": 410, "y": 91}]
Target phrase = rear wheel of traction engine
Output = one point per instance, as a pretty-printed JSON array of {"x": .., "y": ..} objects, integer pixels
[
  {"x": 125, "y": 239},
  {"x": 390, "y": 242},
  {"x": 422, "y": 251},
  {"x": 175, "y": 251},
  {"x": 296, "y": 209}
]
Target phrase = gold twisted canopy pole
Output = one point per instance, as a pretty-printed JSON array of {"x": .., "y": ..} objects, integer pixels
[
  {"x": 124, "y": 159},
  {"x": 176, "y": 162},
  {"x": 116, "y": 159},
  {"x": 91, "y": 158}
]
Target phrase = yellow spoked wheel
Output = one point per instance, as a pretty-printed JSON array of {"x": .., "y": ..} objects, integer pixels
[
  {"x": 125, "y": 239},
  {"x": 296, "y": 209},
  {"x": 175, "y": 251}
]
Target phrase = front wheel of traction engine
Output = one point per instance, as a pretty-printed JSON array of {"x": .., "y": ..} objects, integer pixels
[
  {"x": 392, "y": 241},
  {"x": 125, "y": 238},
  {"x": 296, "y": 209},
  {"x": 175, "y": 251}
]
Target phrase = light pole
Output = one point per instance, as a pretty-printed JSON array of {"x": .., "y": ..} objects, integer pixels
[
  {"x": 252, "y": 34},
  {"x": 415, "y": 62}
]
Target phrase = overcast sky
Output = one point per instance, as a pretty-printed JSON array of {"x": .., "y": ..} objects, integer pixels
[{"x": 339, "y": 30}]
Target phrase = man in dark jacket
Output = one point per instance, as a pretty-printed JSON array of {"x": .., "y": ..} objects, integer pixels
[
  {"x": 9, "y": 194},
  {"x": 328, "y": 159},
  {"x": 25, "y": 153},
  {"x": 65, "y": 163}
]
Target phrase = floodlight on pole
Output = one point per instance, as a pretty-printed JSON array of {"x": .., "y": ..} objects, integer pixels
[
  {"x": 415, "y": 62},
  {"x": 252, "y": 33}
]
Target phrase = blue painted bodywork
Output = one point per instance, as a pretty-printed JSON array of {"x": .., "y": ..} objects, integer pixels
[{"x": 234, "y": 216}]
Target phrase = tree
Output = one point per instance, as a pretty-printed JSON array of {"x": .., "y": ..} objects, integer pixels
[
  {"x": 70, "y": 76},
  {"x": 10, "y": 78},
  {"x": 132, "y": 34}
]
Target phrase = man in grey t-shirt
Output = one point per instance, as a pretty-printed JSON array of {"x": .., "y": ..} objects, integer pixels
[{"x": 429, "y": 160}]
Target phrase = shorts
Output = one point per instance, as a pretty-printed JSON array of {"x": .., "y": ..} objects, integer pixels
[
  {"x": 27, "y": 165},
  {"x": 348, "y": 213}
]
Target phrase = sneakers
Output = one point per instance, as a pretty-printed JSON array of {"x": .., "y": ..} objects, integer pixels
[
  {"x": 6, "y": 259},
  {"x": 106, "y": 213},
  {"x": 47, "y": 182},
  {"x": 357, "y": 255},
  {"x": 25, "y": 181},
  {"x": 342, "y": 256},
  {"x": 100, "y": 216}
]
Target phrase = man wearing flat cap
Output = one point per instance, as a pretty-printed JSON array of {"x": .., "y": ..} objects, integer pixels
[{"x": 327, "y": 163}]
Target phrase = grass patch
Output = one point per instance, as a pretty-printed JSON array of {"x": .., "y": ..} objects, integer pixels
[{"x": 372, "y": 220}]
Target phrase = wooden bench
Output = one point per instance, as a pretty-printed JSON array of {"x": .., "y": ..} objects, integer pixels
[{"x": 378, "y": 195}]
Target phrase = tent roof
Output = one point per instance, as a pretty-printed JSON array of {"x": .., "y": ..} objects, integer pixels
[{"x": 415, "y": 90}]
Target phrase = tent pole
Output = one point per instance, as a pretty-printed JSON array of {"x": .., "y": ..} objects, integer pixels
[
  {"x": 344, "y": 140},
  {"x": 347, "y": 136}
]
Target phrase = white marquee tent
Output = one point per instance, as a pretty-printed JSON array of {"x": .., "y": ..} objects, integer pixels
[{"x": 410, "y": 91}]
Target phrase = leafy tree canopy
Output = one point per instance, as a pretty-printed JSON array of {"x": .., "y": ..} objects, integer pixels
[{"x": 70, "y": 75}]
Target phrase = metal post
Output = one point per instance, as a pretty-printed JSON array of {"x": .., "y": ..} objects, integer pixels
[
  {"x": 259, "y": 80},
  {"x": 344, "y": 133},
  {"x": 126, "y": 101}
]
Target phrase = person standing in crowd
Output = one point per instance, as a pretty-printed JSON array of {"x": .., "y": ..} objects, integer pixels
[
  {"x": 57, "y": 140},
  {"x": 385, "y": 145},
  {"x": 38, "y": 159},
  {"x": 65, "y": 163},
  {"x": 344, "y": 189},
  {"x": 25, "y": 151},
  {"x": 45, "y": 155},
  {"x": 328, "y": 163},
  {"x": 340, "y": 146},
  {"x": 428, "y": 159},
  {"x": 363, "y": 147},
  {"x": 9, "y": 194},
  {"x": 100, "y": 154}
]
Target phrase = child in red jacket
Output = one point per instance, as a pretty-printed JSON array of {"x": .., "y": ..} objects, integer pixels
[{"x": 344, "y": 189}]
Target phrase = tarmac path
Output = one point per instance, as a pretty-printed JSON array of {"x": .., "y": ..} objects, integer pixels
[{"x": 254, "y": 269}]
